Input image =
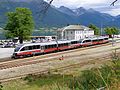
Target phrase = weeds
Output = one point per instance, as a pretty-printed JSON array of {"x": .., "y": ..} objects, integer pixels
[
  {"x": 98, "y": 78},
  {"x": 102, "y": 78}
]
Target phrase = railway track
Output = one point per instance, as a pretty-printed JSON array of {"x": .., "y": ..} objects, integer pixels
[
  {"x": 48, "y": 70},
  {"x": 42, "y": 58}
]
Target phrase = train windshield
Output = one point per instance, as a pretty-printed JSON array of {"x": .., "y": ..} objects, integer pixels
[
  {"x": 81, "y": 41},
  {"x": 17, "y": 48}
]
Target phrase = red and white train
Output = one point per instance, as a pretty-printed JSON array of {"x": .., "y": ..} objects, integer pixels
[{"x": 31, "y": 49}]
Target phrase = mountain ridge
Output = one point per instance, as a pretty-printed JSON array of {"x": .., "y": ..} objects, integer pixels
[{"x": 57, "y": 17}]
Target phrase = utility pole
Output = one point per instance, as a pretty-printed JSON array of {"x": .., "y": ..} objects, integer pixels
[{"x": 101, "y": 29}]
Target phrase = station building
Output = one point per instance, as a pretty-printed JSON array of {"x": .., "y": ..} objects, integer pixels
[{"x": 75, "y": 32}]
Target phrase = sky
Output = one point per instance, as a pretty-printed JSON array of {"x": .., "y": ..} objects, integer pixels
[{"x": 99, "y": 5}]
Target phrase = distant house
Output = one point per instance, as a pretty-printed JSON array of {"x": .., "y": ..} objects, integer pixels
[{"x": 75, "y": 32}]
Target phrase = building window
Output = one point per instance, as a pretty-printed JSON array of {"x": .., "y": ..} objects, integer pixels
[{"x": 80, "y": 37}]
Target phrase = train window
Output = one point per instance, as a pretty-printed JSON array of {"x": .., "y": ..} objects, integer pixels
[
  {"x": 49, "y": 46},
  {"x": 24, "y": 48},
  {"x": 73, "y": 42},
  {"x": 95, "y": 40},
  {"x": 65, "y": 44},
  {"x": 17, "y": 49},
  {"x": 38, "y": 46},
  {"x": 45, "y": 46},
  {"x": 34, "y": 47},
  {"x": 59, "y": 45},
  {"x": 88, "y": 40},
  {"x": 55, "y": 45},
  {"x": 80, "y": 41},
  {"x": 30, "y": 47},
  {"x": 100, "y": 39},
  {"x": 83, "y": 41},
  {"x": 106, "y": 38}
]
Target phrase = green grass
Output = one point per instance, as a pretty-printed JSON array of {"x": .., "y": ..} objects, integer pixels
[
  {"x": 47, "y": 79},
  {"x": 37, "y": 82}
]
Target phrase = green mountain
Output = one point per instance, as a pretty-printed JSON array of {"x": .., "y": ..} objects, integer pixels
[
  {"x": 57, "y": 17},
  {"x": 52, "y": 17}
]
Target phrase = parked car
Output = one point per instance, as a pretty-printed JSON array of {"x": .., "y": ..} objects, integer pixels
[
  {"x": 9, "y": 44},
  {"x": 2, "y": 45}
]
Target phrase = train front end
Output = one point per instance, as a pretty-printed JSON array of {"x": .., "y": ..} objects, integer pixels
[{"x": 16, "y": 51}]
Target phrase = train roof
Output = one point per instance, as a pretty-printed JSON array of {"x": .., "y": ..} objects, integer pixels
[
  {"x": 85, "y": 39},
  {"x": 74, "y": 40},
  {"x": 41, "y": 44},
  {"x": 63, "y": 41},
  {"x": 44, "y": 43}
]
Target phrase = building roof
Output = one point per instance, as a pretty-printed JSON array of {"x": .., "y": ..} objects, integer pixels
[{"x": 74, "y": 27}]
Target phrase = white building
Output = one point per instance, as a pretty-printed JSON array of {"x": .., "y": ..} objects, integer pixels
[{"x": 74, "y": 32}]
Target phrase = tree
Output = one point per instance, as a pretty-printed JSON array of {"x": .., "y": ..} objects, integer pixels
[
  {"x": 111, "y": 31},
  {"x": 96, "y": 29},
  {"x": 20, "y": 24}
]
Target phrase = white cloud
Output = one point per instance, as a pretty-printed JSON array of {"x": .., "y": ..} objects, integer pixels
[
  {"x": 100, "y": 5},
  {"x": 79, "y": 3},
  {"x": 114, "y": 12}
]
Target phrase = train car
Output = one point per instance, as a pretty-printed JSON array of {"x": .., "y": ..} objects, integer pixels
[
  {"x": 31, "y": 49},
  {"x": 105, "y": 40},
  {"x": 49, "y": 47},
  {"x": 94, "y": 41},
  {"x": 99, "y": 40},
  {"x": 85, "y": 42},
  {"x": 102, "y": 40},
  {"x": 63, "y": 45},
  {"x": 74, "y": 44}
]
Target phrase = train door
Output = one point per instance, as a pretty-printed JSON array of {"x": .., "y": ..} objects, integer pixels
[{"x": 42, "y": 49}]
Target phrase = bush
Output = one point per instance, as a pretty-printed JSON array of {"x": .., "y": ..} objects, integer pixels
[
  {"x": 97, "y": 78},
  {"x": 29, "y": 78}
]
